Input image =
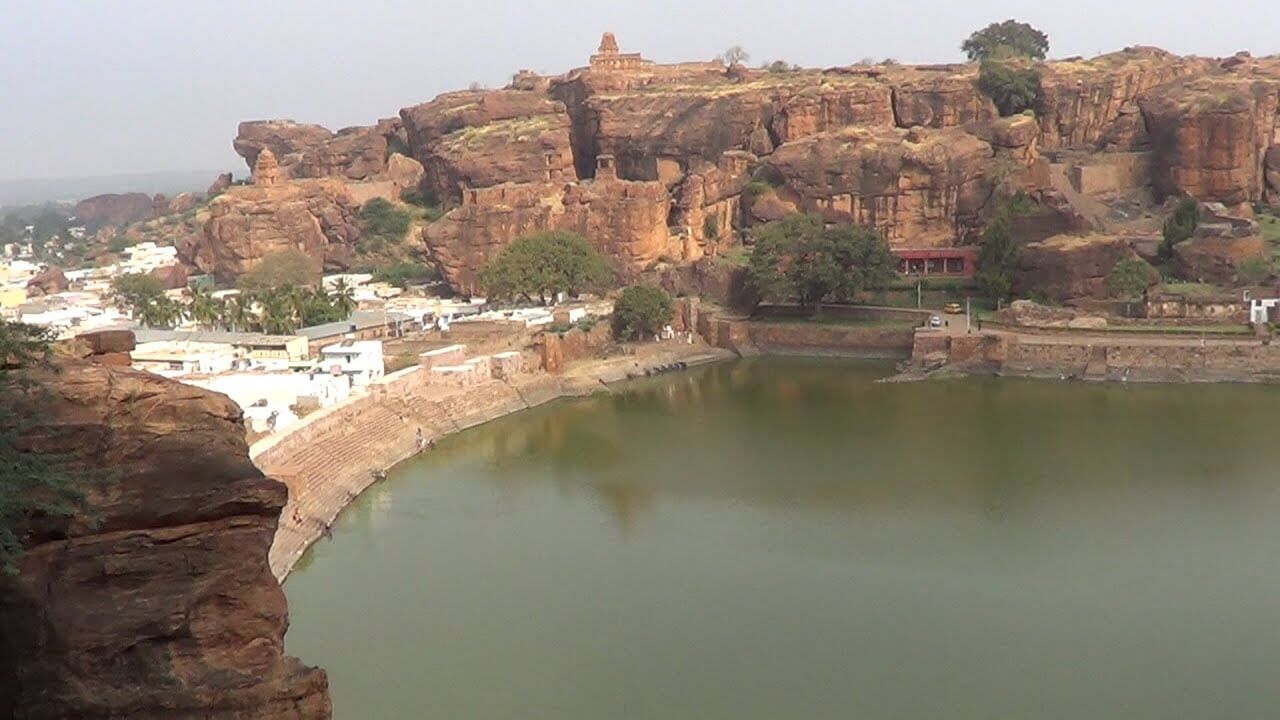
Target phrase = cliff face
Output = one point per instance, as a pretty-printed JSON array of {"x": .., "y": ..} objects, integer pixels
[
  {"x": 854, "y": 142},
  {"x": 166, "y": 608}
]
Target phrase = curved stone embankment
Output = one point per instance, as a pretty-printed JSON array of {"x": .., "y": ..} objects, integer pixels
[
  {"x": 797, "y": 337},
  {"x": 332, "y": 456}
]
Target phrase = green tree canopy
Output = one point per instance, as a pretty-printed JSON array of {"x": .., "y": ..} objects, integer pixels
[
  {"x": 281, "y": 269},
  {"x": 382, "y": 223},
  {"x": 543, "y": 264},
  {"x": 142, "y": 295},
  {"x": 641, "y": 311},
  {"x": 799, "y": 259},
  {"x": 1013, "y": 87},
  {"x": 1002, "y": 40},
  {"x": 998, "y": 258},
  {"x": 1129, "y": 278},
  {"x": 1181, "y": 226}
]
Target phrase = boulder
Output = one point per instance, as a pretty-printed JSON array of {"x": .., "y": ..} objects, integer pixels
[
  {"x": 172, "y": 277},
  {"x": 1069, "y": 267},
  {"x": 162, "y": 606},
  {"x": 286, "y": 138},
  {"x": 1216, "y": 259},
  {"x": 183, "y": 202},
  {"x": 941, "y": 99},
  {"x": 405, "y": 172},
  {"x": 48, "y": 281},
  {"x": 220, "y": 184}
]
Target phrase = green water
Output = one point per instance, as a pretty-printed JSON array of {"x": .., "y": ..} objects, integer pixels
[{"x": 783, "y": 538}]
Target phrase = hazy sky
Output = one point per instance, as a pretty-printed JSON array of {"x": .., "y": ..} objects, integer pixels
[{"x": 123, "y": 86}]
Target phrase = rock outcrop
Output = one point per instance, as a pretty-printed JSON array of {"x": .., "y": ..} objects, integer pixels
[
  {"x": 248, "y": 223},
  {"x": 920, "y": 151},
  {"x": 162, "y": 606},
  {"x": 113, "y": 209},
  {"x": 922, "y": 188},
  {"x": 48, "y": 281},
  {"x": 1067, "y": 267}
]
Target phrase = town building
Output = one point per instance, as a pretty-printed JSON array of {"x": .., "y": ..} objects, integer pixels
[
  {"x": 176, "y": 358},
  {"x": 280, "y": 352},
  {"x": 362, "y": 325},
  {"x": 359, "y": 360},
  {"x": 961, "y": 262}
]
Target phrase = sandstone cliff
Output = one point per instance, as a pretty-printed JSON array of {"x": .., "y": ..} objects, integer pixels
[
  {"x": 918, "y": 151},
  {"x": 165, "y": 608},
  {"x": 113, "y": 209}
]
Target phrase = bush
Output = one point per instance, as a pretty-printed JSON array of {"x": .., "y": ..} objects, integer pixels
[
  {"x": 404, "y": 273},
  {"x": 1130, "y": 278},
  {"x": 641, "y": 311},
  {"x": 1014, "y": 89},
  {"x": 381, "y": 222},
  {"x": 1180, "y": 227},
  {"x": 1255, "y": 271},
  {"x": 711, "y": 227}
]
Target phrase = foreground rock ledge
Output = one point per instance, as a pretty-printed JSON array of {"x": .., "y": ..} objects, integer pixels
[{"x": 167, "y": 608}]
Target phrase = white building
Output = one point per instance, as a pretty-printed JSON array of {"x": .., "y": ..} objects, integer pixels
[
  {"x": 262, "y": 395},
  {"x": 360, "y": 360},
  {"x": 175, "y": 358}
]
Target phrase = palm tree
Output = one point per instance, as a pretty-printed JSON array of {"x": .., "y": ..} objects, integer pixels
[
  {"x": 203, "y": 308},
  {"x": 343, "y": 298},
  {"x": 276, "y": 315},
  {"x": 235, "y": 315}
]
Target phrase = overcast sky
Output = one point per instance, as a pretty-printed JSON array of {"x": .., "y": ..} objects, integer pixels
[{"x": 124, "y": 86}]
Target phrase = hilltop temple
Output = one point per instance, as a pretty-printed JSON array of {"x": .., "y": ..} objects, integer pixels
[{"x": 607, "y": 56}]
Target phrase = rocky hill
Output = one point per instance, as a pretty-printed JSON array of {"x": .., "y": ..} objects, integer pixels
[
  {"x": 669, "y": 162},
  {"x": 163, "y": 605}
]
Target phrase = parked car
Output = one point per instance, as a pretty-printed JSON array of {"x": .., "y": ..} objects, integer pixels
[
  {"x": 952, "y": 309},
  {"x": 935, "y": 321}
]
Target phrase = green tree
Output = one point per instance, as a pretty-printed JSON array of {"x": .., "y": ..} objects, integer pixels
[
  {"x": 1012, "y": 86},
  {"x": 998, "y": 258},
  {"x": 142, "y": 296},
  {"x": 1130, "y": 278},
  {"x": 203, "y": 308},
  {"x": 799, "y": 258},
  {"x": 1001, "y": 40},
  {"x": 1181, "y": 226},
  {"x": 276, "y": 313},
  {"x": 343, "y": 299},
  {"x": 32, "y": 484},
  {"x": 285, "y": 268},
  {"x": 544, "y": 264},
  {"x": 235, "y": 314},
  {"x": 641, "y": 311}
]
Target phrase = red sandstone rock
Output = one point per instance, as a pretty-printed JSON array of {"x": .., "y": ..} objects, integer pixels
[
  {"x": 922, "y": 188},
  {"x": 1067, "y": 267},
  {"x": 1210, "y": 137},
  {"x": 1215, "y": 259},
  {"x": 166, "y": 609},
  {"x": 250, "y": 222},
  {"x": 286, "y": 138},
  {"x": 173, "y": 277},
  {"x": 113, "y": 210},
  {"x": 220, "y": 184},
  {"x": 48, "y": 281},
  {"x": 941, "y": 99}
]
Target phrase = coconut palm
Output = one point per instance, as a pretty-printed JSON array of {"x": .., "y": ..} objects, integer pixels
[
  {"x": 235, "y": 314},
  {"x": 343, "y": 299},
  {"x": 203, "y": 308},
  {"x": 276, "y": 316}
]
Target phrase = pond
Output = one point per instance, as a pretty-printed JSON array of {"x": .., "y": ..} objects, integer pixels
[{"x": 786, "y": 538}]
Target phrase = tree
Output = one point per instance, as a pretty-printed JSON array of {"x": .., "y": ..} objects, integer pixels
[
  {"x": 343, "y": 298},
  {"x": 1006, "y": 39},
  {"x": 799, "y": 258},
  {"x": 998, "y": 258},
  {"x": 203, "y": 308},
  {"x": 403, "y": 273},
  {"x": 641, "y": 311},
  {"x": 1129, "y": 279},
  {"x": 1014, "y": 88},
  {"x": 142, "y": 296},
  {"x": 235, "y": 314},
  {"x": 544, "y": 264},
  {"x": 735, "y": 56},
  {"x": 276, "y": 315},
  {"x": 1181, "y": 226},
  {"x": 32, "y": 484},
  {"x": 1255, "y": 271},
  {"x": 281, "y": 269}
]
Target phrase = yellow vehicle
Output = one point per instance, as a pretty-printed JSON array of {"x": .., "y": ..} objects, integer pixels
[{"x": 952, "y": 309}]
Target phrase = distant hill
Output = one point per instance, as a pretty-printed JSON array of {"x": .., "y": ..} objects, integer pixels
[{"x": 39, "y": 190}]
